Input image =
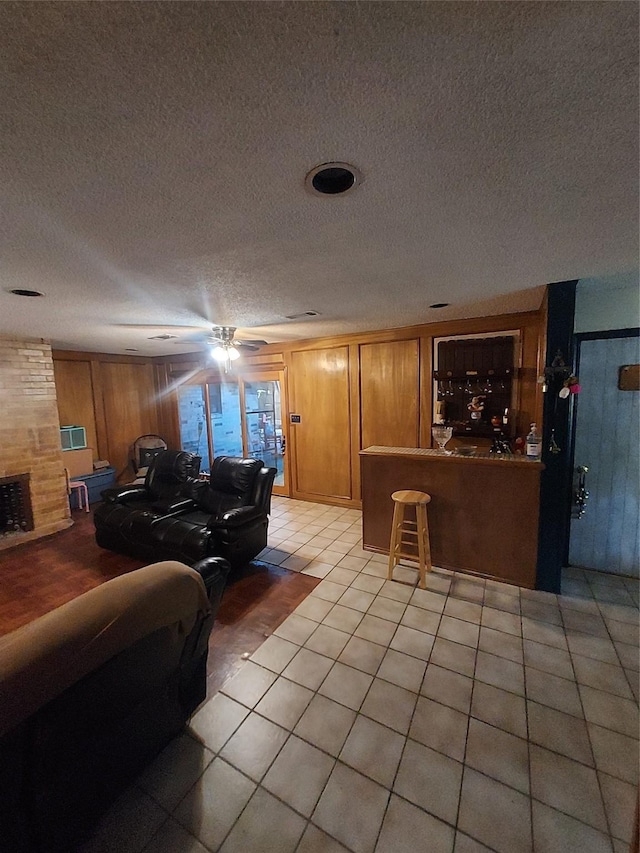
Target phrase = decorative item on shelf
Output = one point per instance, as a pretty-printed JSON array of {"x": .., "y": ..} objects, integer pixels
[
  {"x": 466, "y": 450},
  {"x": 553, "y": 445},
  {"x": 500, "y": 447},
  {"x": 569, "y": 386},
  {"x": 476, "y": 407},
  {"x": 560, "y": 380},
  {"x": 442, "y": 435},
  {"x": 556, "y": 372}
]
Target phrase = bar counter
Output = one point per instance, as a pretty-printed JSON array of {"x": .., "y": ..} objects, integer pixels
[{"x": 484, "y": 510}]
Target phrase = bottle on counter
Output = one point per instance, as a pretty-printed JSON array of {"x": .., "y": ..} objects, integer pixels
[
  {"x": 505, "y": 418},
  {"x": 534, "y": 444}
]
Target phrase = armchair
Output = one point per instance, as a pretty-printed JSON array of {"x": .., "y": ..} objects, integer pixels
[
  {"x": 228, "y": 517},
  {"x": 92, "y": 691},
  {"x": 164, "y": 493}
]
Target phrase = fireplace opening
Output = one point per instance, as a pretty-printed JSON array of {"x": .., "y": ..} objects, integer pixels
[{"x": 16, "y": 514}]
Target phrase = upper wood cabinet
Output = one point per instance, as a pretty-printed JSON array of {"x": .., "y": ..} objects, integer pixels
[
  {"x": 321, "y": 441},
  {"x": 390, "y": 394}
]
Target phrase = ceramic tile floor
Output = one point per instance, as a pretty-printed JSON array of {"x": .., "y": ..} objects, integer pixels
[{"x": 472, "y": 716}]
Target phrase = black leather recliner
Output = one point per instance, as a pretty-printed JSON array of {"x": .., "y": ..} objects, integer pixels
[
  {"x": 228, "y": 518},
  {"x": 165, "y": 491}
]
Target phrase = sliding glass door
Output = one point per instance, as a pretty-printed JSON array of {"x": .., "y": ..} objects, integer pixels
[
  {"x": 264, "y": 438},
  {"x": 237, "y": 416}
]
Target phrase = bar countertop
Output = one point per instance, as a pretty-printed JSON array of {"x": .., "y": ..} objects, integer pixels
[
  {"x": 484, "y": 509},
  {"x": 479, "y": 457}
]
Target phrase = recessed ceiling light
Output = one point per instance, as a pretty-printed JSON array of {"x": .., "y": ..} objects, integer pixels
[
  {"x": 165, "y": 337},
  {"x": 19, "y": 291},
  {"x": 332, "y": 179},
  {"x": 131, "y": 349},
  {"x": 439, "y": 305}
]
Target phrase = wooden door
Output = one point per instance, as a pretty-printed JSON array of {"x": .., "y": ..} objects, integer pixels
[
  {"x": 607, "y": 537},
  {"x": 321, "y": 440},
  {"x": 389, "y": 394}
]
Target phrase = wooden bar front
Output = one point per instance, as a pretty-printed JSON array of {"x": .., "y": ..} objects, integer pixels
[{"x": 483, "y": 515}]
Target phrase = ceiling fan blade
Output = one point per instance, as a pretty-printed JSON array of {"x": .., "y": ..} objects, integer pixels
[
  {"x": 160, "y": 326},
  {"x": 252, "y": 343},
  {"x": 245, "y": 346}
]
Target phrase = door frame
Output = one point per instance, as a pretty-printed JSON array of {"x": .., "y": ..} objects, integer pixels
[
  {"x": 269, "y": 374},
  {"x": 578, "y": 339}
]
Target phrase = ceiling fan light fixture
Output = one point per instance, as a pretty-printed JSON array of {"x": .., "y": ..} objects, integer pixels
[{"x": 225, "y": 352}]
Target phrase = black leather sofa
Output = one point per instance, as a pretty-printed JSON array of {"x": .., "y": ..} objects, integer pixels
[
  {"x": 92, "y": 691},
  {"x": 226, "y": 516}
]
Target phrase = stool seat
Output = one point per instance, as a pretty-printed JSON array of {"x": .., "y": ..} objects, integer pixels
[
  {"x": 402, "y": 527},
  {"x": 410, "y": 498}
]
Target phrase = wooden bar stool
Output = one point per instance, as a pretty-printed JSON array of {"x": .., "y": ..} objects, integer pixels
[{"x": 419, "y": 529}]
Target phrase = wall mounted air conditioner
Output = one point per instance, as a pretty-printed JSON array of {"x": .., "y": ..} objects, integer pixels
[{"x": 73, "y": 437}]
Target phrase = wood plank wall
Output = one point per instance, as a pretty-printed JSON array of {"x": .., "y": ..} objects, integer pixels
[
  {"x": 114, "y": 397},
  {"x": 352, "y": 391}
]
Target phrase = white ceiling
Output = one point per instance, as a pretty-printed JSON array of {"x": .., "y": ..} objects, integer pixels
[{"x": 154, "y": 154}]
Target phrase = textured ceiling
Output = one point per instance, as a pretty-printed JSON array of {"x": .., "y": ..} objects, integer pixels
[{"x": 153, "y": 161}]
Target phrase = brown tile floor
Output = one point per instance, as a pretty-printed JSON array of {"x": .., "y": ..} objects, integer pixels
[
  {"x": 472, "y": 716},
  {"x": 379, "y": 717}
]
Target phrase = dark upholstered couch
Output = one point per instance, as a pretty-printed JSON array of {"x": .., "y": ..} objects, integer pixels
[
  {"x": 92, "y": 691},
  {"x": 165, "y": 491},
  {"x": 226, "y": 516}
]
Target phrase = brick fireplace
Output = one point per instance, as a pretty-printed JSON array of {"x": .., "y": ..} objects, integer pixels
[{"x": 30, "y": 450}]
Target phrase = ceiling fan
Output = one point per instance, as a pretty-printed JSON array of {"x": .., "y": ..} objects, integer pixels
[{"x": 226, "y": 347}]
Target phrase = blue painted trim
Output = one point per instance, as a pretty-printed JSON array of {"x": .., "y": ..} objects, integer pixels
[{"x": 555, "y": 482}]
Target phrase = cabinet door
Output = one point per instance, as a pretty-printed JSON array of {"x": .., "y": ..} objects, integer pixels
[
  {"x": 389, "y": 393},
  {"x": 322, "y": 439}
]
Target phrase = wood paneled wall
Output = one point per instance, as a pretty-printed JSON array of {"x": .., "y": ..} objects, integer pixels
[
  {"x": 390, "y": 393},
  {"x": 353, "y": 391},
  {"x": 350, "y": 391},
  {"x": 75, "y": 398},
  {"x": 114, "y": 397}
]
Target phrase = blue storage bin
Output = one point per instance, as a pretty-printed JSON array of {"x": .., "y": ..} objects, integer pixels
[{"x": 105, "y": 478}]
